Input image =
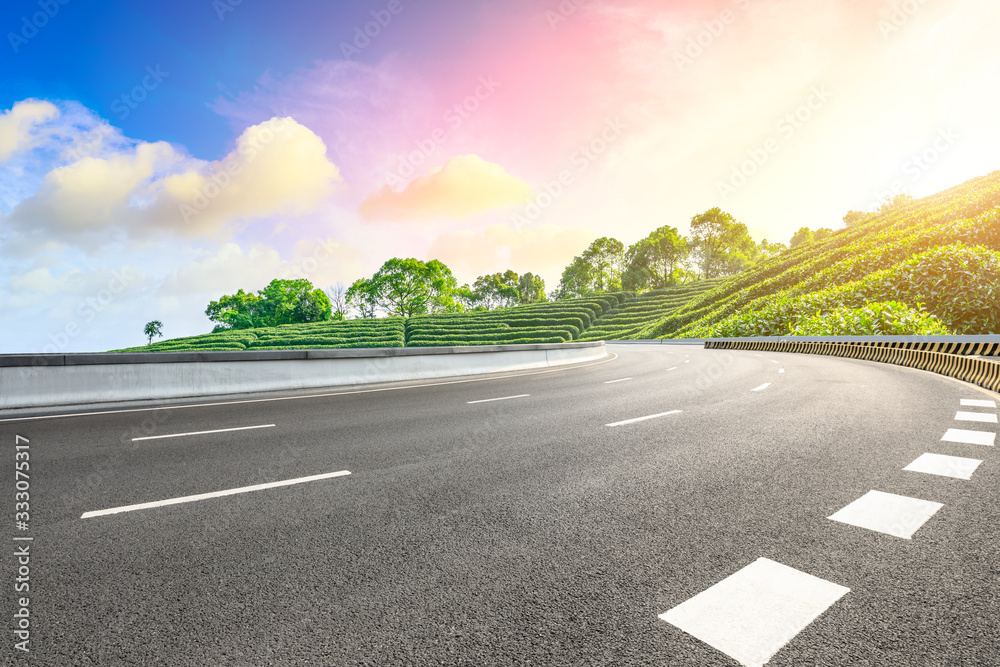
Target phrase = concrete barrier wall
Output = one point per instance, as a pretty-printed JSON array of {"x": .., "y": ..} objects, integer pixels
[
  {"x": 956, "y": 362},
  {"x": 28, "y": 381}
]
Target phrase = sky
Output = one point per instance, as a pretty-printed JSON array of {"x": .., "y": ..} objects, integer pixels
[{"x": 155, "y": 156}]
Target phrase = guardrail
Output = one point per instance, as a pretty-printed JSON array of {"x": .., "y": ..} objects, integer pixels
[
  {"x": 30, "y": 381},
  {"x": 954, "y": 356}
]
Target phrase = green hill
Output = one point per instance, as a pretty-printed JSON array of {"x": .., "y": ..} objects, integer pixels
[{"x": 928, "y": 266}]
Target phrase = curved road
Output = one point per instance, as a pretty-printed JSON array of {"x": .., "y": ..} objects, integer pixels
[{"x": 539, "y": 529}]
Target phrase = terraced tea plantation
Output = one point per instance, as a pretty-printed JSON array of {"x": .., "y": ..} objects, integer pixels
[
  {"x": 547, "y": 322},
  {"x": 631, "y": 317},
  {"x": 385, "y": 332},
  {"x": 929, "y": 266}
]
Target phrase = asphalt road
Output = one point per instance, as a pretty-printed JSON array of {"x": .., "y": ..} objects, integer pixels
[{"x": 511, "y": 532}]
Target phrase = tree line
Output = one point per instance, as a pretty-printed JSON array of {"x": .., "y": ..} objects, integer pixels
[{"x": 718, "y": 245}]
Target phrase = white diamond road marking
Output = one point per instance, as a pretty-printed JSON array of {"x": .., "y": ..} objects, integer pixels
[
  {"x": 888, "y": 513},
  {"x": 946, "y": 466},
  {"x": 985, "y": 417},
  {"x": 751, "y": 614},
  {"x": 970, "y": 437},
  {"x": 975, "y": 403}
]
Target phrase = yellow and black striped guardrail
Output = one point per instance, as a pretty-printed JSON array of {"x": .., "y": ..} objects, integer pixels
[{"x": 954, "y": 359}]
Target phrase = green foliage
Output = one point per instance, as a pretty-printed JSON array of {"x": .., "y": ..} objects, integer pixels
[
  {"x": 154, "y": 328},
  {"x": 281, "y": 302},
  {"x": 888, "y": 318}
]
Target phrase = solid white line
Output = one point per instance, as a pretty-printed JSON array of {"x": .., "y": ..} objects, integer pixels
[
  {"x": 751, "y": 614},
  {"x": 613, "y": 381},
  {"x": 613, "y": 357},
  {"x": 945, "y": 466},
  {"x": 214, "y": 494},
  {"x": 221, "y": 430},
  {"x": 888, "y": 513},
  {"x": 970, "y": 437},
  {"x": 975, "y": 403},
  {"x": 985, "y": 417},
  {"x": 672, "y": 369},
  {"x": 642, "y": 419},
  {"x": 502, "y": 398},
  {"x": 762, "y": 387}
]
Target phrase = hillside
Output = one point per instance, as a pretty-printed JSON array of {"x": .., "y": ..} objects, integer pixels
[{"x": 929, "y": 266}]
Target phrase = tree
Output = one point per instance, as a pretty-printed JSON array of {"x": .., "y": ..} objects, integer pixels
[
  {"x": 530, "y": 288},
  {"x": 497, "y": 290},
  {"x": 154, "y": 328},
  {"x": 606, "y": 257},
  {"x": 577, "y": 280},
  {"x": 821, "y": 234},
  {"x": 281, "y": 302},
  {"x": 338, "y": 300},
  {"x": 655, "y": 260},
  {"x": 768, "y": 250},
  {"x": 362, "y": 295},
  {"x": 804, "y": 235},
  {"x": 406, "y": 287},
  {"x": 721, "y": 245}
]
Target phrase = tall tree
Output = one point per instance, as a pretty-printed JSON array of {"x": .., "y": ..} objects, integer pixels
[
  {"x": 577, "y": 280},
  {"x": 804, "y": 235},
  {"x": 722, "y": 246},
  {"x": 363, "y": 296},
  {"x": 281, "y": 302},
  {"x": 530, "y": 288},
  {"x": 338, "y": 300},
  {"x": 497, "y": 290},
  {"x": 656, "y": 260},
  {"x": 406, "y": 287},
  {"x": 606, "y": 257}
]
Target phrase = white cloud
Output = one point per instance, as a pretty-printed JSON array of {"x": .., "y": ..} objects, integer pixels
[{"x": 18, "y": 123}]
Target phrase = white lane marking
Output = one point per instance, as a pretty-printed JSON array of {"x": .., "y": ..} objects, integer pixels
[
  {"x": 985, "y": 417},
  {"x": 773, "y": 361},
  {"x": 888, "y": 513},
  {"x": 214, "y": 494},
  {"x": 672, "y": 369},
  {"x": 976, "y": 403},
  {"x": 620, "y": 380},
  {"x": 687, "y": 361},
  {"x": 970, "y": 437},
  {"x": 642, "y": 419},
  {"x": 762, "y": 387},
  {"x": 781, "y": 370},
  {"x": 502, "y": 398},
  {"x": 752, "y": 614},
  {"x": 946, "y": 466},
  {"x": 220, "y": 430},
  {"x": 613, "y": 357}
]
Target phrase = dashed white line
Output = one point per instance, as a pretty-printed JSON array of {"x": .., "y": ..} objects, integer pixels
[
  {"x": 888, "y": 513},
  {"x": 642, "y": 419},
  {"x": 619, "y": 380},
  {"x": 672, "y": 369},
  {"x": 781, "y": 370},
  {"x": 502, "y": 398},
  {"x": 751, "y": 614},
  {"x": 945, "y": 466},
  {"x": 774, "y": 361},
  {"x": 976, "y": 403},
  {"x": 970, "y": 437},
  {"x": 762, "y": 387},
  {"x": 214, "y": 494},
  {"x": 984, "y": 417},
  {"x": 220, "y": 430}
]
